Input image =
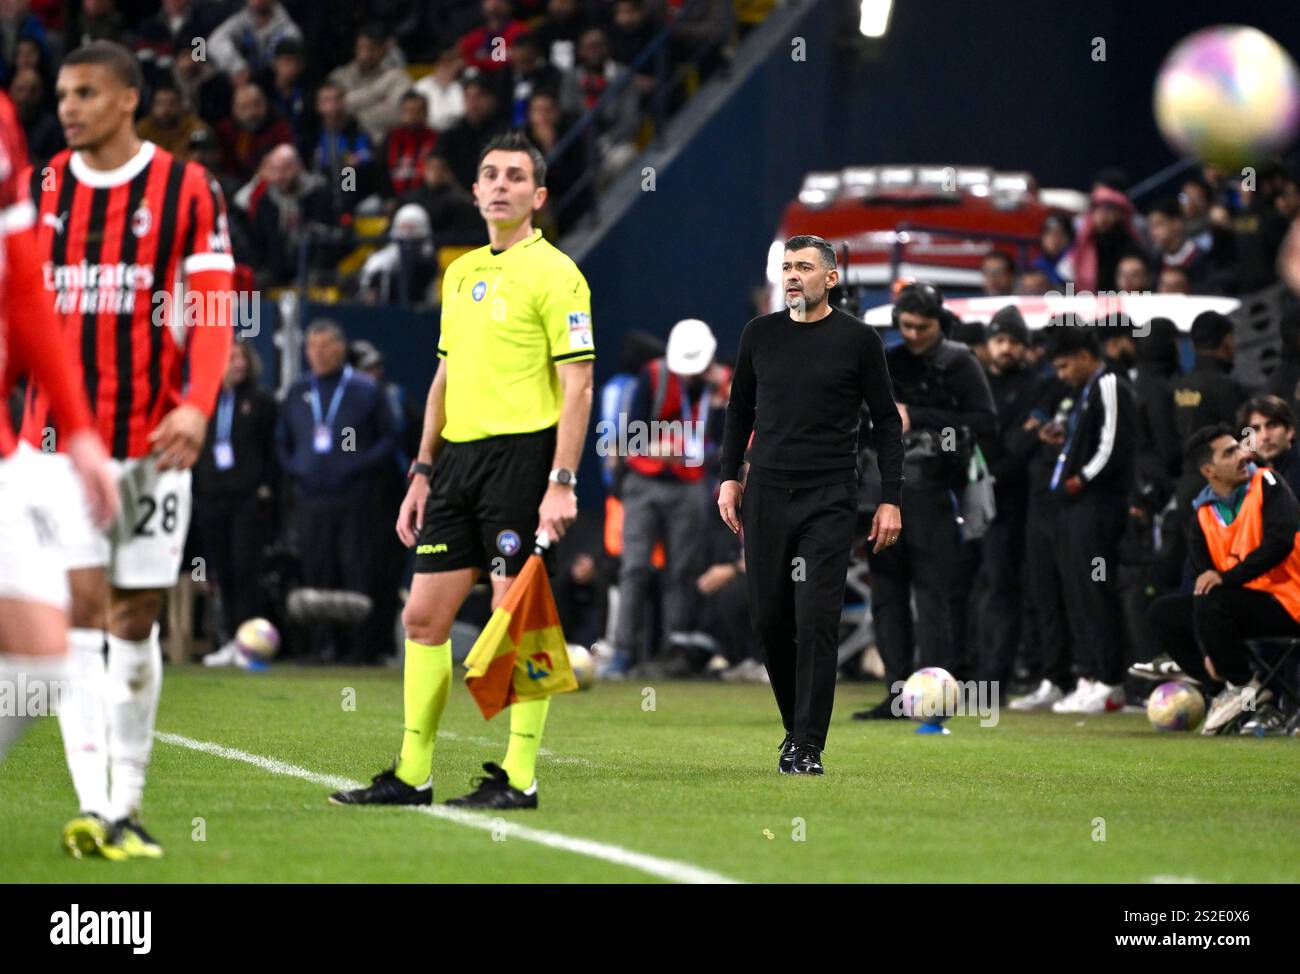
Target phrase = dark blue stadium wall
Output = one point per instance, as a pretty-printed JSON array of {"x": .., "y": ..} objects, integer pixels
[
  {"x": 697, "y": 245},
  {"x": 1007, "y": 83},
  {"x": 1012, "y": 83}
]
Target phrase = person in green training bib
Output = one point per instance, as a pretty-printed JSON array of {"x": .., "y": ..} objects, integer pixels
[{"x": 503, "y": 431}]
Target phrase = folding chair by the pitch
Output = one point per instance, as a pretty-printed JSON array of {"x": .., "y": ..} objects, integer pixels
[{"x": 1275, "y": 660}]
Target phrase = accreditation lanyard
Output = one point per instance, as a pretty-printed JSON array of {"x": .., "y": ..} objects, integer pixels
[
  {"x": 223, "y": 454},
  {"x": 701, "y": 417},
  {"x": 322, "y": 435},
  {"x": 1072, "y": 424}
]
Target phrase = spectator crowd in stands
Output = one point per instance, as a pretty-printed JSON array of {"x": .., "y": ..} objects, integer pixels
[
  {"x": 313, "y": 114},
  {"x": 1217, "y": 235}
]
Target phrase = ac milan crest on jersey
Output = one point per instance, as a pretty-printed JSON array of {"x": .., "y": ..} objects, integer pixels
[{"x": 142, "y": 220}]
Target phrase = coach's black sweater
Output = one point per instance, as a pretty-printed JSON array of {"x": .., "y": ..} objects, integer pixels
[{"x": 799, "y": 387}]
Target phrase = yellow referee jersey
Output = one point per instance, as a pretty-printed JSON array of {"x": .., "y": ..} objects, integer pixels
[{"x": 507, "y": 319}]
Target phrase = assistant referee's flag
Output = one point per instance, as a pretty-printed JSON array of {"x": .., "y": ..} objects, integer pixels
[{"x": 521, "y": 654}]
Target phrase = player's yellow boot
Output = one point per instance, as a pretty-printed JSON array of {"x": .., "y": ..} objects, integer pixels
[
  {"x": 86, "y": 835},
  {"x": 129, "y": 840}
]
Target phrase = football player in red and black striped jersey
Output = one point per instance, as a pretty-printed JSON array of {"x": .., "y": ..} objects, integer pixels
[
  {"x": 33, "y": 575},
  {"x": 137, "y": 266}
]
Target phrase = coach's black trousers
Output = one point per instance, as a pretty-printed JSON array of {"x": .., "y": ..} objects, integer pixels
[
  {"x": 797, "y": 545},
  {"x": 1217, "y": 624}
]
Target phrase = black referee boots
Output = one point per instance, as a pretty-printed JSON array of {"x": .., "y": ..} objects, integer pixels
[
  {"x": 495, "y": 791},
  {"x": 788, "y": 749},
  {"x": 807, "y": 760},
  {"x": 386, "y": 789}
]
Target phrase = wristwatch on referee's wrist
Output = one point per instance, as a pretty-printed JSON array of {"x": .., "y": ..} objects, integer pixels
[
  {"x": 418, "y": 469},
  {"x": 563, "y": 476}
]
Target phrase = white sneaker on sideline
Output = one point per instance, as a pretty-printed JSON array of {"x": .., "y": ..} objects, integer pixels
[
  {"x": 227, "y": 655},
  {"x": 1041, "y": 699},
  {"x": 1231, "y": 703},
  {"x": 872, "y": 663},
  {"x": 746, "y": 671},
  {"x": 1070, "y": 703},
  {"x": 1102, "y": 698}
]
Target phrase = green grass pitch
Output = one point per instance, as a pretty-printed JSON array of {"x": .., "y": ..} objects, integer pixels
[{"x": 692, "y": 782}]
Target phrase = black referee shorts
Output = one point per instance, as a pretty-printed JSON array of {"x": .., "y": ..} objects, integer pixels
[{"x": 482, "y": 506}]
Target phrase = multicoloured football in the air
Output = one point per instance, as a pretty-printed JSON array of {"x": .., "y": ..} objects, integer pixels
[
  {"x": 1175, "y": 706},
  {"x": 930, "y": 695},
  {"x": 258, "y": 640},
  {"x": 1228, "y": 95}
]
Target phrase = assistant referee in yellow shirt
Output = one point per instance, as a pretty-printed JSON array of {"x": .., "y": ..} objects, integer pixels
[{"x": 503, "y": 431}]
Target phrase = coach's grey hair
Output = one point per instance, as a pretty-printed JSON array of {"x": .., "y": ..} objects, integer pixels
[
  {"x": 820, "y": 244},
  {"x": 326, "y": 326}
]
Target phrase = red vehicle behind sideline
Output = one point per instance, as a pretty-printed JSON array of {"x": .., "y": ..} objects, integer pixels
[{"x": 920, "y": 221}]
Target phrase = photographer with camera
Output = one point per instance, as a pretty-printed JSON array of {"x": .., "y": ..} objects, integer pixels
[{"x": 945, "y": 403}]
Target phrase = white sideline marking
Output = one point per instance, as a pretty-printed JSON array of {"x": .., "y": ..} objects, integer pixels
[
  {"x": 1175, "y": 880},
  {"x": 677, "y": 872}
]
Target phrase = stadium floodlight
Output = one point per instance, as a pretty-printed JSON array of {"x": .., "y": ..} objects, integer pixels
[{"x": 875, "y": 17}]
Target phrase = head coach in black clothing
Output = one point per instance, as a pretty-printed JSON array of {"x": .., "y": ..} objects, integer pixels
[{"x": 801, "y": 378}]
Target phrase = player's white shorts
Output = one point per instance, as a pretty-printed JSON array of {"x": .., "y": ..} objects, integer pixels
[
  {"x": 33, "y": 564},
  {"x": 143, "y": 547}
]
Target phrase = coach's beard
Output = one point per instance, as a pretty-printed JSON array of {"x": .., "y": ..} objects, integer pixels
[{"x": 799, "y": 306}]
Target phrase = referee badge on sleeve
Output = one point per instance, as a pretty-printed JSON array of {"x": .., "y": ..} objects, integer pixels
[{"x": 579, "y": 330}]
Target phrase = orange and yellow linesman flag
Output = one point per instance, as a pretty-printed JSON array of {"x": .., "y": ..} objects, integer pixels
[{"x": 521, "y": 654}]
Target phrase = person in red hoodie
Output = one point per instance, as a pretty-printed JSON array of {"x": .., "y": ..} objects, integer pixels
[{"x": 33, "y": 569}]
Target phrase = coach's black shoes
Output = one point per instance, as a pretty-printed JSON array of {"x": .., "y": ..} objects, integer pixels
[
  {"x": 807, "y": 760},
  {"x": 495, "y": 791},
  {"x": 386, "y": 789},
  {"x": 788, "y": 750}
]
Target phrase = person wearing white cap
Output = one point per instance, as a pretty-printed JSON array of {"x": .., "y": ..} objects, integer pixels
[{"x": 665, "y": 491}]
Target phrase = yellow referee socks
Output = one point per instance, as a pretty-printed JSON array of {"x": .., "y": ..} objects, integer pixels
[
  {"x": 426, "y": 682},
  {"x": 526, "y": 723}
]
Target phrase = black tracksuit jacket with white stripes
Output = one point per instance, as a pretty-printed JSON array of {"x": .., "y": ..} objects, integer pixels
[{"x": 1102, "y": 450}]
